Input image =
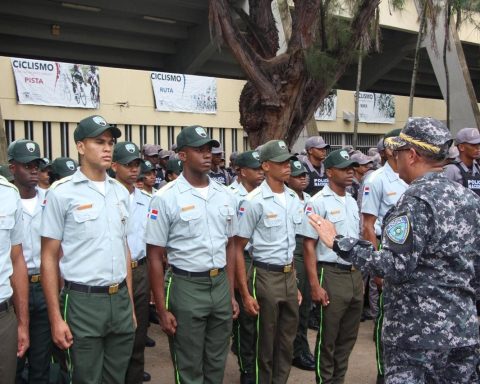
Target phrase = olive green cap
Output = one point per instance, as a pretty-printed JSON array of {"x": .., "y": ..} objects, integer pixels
[
  {"x": 94, "y": 126},
  {"x": 64, "y": 166},
  {"x": 5, "y": 172},
  {"x": 297, "y": 168},
  {"x": 146, "y": 166},
  {"x": 126, "y": 152},
  {"x": 175, "y": 166},
  {"x": 339, "y": 159},
  {"x": 276, "y": 151},
  {"x": 45, "y": 164},
  {"x": 194, "y": 136},
  {"x": 24, "y": 151},
  {"x": 248, "y": 159}
]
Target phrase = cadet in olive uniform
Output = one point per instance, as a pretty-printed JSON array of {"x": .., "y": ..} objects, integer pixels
[
  {"x": 193, "y": 221},
  {"x": 302, "y": 356},
  {"x": 126, "y": 164},
  {"x": 13, "y": 283},
  {"x": 269, "y": 217},
  {"x": 316, "y": 152},
  {"x": 86, "y": 214},
  {"x": 430, "y": 243},
  {"x": 250, "y": 176},
  {"x": 335, "y": 284},
  {"x": 25, "y": 160},
  {"x": 381, "y": 190}
]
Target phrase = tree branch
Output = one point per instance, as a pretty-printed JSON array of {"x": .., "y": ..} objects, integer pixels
[{"x": 305, "y": 24}]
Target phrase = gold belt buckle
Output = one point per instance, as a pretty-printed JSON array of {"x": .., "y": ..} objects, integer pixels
[
  {"x": 214, "y": 272},
  {"x": 287, "y": 268},
  {"x": 34, "y": 278},
  {"x": 134, "y": 264},
  {"x": 112, "y": 289}
]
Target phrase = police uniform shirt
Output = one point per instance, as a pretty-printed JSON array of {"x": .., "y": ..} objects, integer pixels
[
  {"x": 343, "y": 214},
  {"x": 316, "y": 180},
  {"x": 91, "y": 226},
  {"x": 239, "y": 193},
  {"x": 270, "y": 225},
  {"x": 193, "y": 229},
  {"x": 11, "y": 233},
  {"x": 137, "y": 223},
  {"x": 221, "y": 177},
  {"x": 32, "y": 224},
  {"x": 452, "y": 171},
  {"x": 381, "y": 191}
]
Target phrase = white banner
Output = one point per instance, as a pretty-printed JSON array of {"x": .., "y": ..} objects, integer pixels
[
  {"x": 184, "y": 93},
  {"x": 376, "y": 108},
  {"x": 328, "y": 109},
  {"x": 56, "y": 84}
]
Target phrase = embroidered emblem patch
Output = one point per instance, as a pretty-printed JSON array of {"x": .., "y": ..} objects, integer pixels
[{"x": 398, "y": 229}]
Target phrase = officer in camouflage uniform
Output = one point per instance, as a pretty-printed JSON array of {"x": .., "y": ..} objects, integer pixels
[{"x": 430, "y": 243}]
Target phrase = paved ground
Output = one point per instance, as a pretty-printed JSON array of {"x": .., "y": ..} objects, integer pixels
[{"x": 361, "y": 368}]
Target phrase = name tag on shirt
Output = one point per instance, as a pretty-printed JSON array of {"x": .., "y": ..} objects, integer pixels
[
  {"x": 271, "y": 215},
  {"x": 84, "y": 206},
  {"x": 188, "y": 208},
  {"x": 336, "y": 212},
  {"x": 391, "y": 193}
]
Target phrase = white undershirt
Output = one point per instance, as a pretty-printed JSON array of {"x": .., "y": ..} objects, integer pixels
[
  {"x": 281, "y": 197},
  {"x": 30, "y": 204},
  {"x": 342, "y": 199},
  {"x": 203, "y": 191},
  {"x": 132, "y": 195},
  {"x": 100, "y": 186}
]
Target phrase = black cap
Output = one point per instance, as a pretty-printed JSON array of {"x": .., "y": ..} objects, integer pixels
[
  {"x": 64, "y": 166},
  {"x": 125, "y": 152},
  {"x": 194, "y": 136},
  {"x": 94, "y": 126},
  {"x": 146, "y": 166},
  {"x": 339, "y": 159},
  {"x": 24, "y": 151}
]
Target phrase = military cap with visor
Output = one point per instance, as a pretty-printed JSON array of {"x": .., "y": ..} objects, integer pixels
[
  {"x": 468, "y": 135},
  {"x": 275, "y": 151},
  {"x": 194, "y": 136},
  {"x": 146, "y": 166},
  {"x": 125, "y": 152},
  {"x": 388, "y": 138},
  {"x": 339, "y": 159},
  {"x": 297, "y": 168},
  {"x": 24, "y": 151},
  {"x": 46, "y": 163},
  {"x": 175, "y": 166},
  {"x": 425, "y": 133},
  {"x": 64, "y": 166},
  {"x": 94, "y": 126},
  {"x": 248, "y": 159},
  {"x": 316, "y": 142}
]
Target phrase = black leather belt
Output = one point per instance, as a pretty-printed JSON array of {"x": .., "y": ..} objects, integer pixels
[
  {"x": 343, "y": 267},
  {"x": 110, "y": 289},
  {"x": 5, "y": 305},
  {"x": 210, "y": 273},
  {"x": 137, "y": 263},
  {"x": 274, "y": 267}
]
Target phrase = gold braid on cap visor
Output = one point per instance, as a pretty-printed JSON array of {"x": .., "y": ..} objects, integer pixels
[{"x": 419, "y": 143}]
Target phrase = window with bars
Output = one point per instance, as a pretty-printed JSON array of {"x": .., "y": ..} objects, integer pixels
[
  {"x": 171, "y": 137},
  {"x": 156, "y": 134},
  {"x": 143, "y": 135},
  {"x": 47, "y": 139},
  {"x": 234, "y": 140},
  {"x": 64, "y": 140},
  {"x": 222, "y": 137},
  {"x": 10, "y": 130},
  {"x": 128, "y": 132},
  {"x": 28, "y": 126},
  {"x": 338, "y": 140}
]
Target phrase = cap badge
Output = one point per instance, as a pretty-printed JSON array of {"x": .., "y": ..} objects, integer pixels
[
  {"x": 282, "y": 144},
  {"x": 148, "y": 163},
  {"x": 344, "y": 154},
  {"x": 255, "y": 155},
  {"x": 130, "y": 148},
  {"x": 70, "y": 164},
  {"x": 100, "y": 121},
  {"x": 297, "y": 164},
  {"x": 30, "y": 147},
  {"x": 201, "y": 131}
]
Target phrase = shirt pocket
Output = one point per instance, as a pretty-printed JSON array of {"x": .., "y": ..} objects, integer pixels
[
  {"x": 272, "y": 228},
  {"x": 226, "y": 214},
  {"x": 87, "y": 224},
  {"x": 190, "y": 223}
]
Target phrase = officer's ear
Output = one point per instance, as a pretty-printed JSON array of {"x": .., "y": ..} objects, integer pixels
[
  {"x": 114, "y": 167},
  {"x": 80, "y": 147},
  {"x": 461, "y": 147},
  {"x": 182, "y": 155},
  {"x": 266, "y": 166},
  {"x": 329, "y": 172}
]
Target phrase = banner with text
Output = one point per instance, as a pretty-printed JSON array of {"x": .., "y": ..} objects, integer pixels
[
  {"x": 328, "y": 109},
  {"x": 376, "y": 108},
  {"x": 184, "y": 93},
  {"x": 56, "y": 84}
]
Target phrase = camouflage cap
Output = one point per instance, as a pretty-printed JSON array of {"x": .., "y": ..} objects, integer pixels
[
  {"x": 388, "y": 138},
  {"x": 24, "y": 151},
  {"x": 248, "y": 159},
  {"x": 297, "y": 168},
  {"x": 64, "y": 166},
  {"x": 425, "y": 133},
  {"x": 93, "y": 126},
  {"x": 339, "y": 159},
  {"x": 125, "y": 152},
  {"x": 276, "y": 151},
  {"x": 175, "y": 166}
]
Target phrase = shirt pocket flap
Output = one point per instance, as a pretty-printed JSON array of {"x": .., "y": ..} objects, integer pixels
[
  {"x": 85, "y": 215},
  {"x": 273, "y": 222},
  {"x": 7, "y": 221},
  {"x": 226, "y": 211},
  {"x": 297, "y": 219},
  {"x": 335, "y": 218},
  {"x": 190, "y": 215}
]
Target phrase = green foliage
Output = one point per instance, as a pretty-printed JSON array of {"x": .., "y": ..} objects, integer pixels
[{"x": 320, "y": 65}]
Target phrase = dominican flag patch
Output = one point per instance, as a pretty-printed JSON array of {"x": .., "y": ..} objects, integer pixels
[
  {"x": 366, "y": 190},
  {"x": 153, "y": 214},
  {"x": 308, "y": 210},
  {"x": 241, "y": 211}
]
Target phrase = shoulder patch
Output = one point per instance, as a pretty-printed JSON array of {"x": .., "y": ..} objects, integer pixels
[
  {"x": 252, "y": 194},
  {"x": 165, "y": 188},
  {"x": 398, "y": 229},
  {"x": 59, "y": 182}
]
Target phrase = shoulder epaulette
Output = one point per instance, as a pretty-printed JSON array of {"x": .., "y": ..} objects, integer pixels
[
  {"x": 316, "y": 196},
  {"x": 6, "y": 183},
  {"x": 61, "y": 181},
  {"x": 145, "y": 193},
  {"x": 291, "y": 192},
  {"x": 165, "y": 188},
  {"x": 252, "y": 194}
]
